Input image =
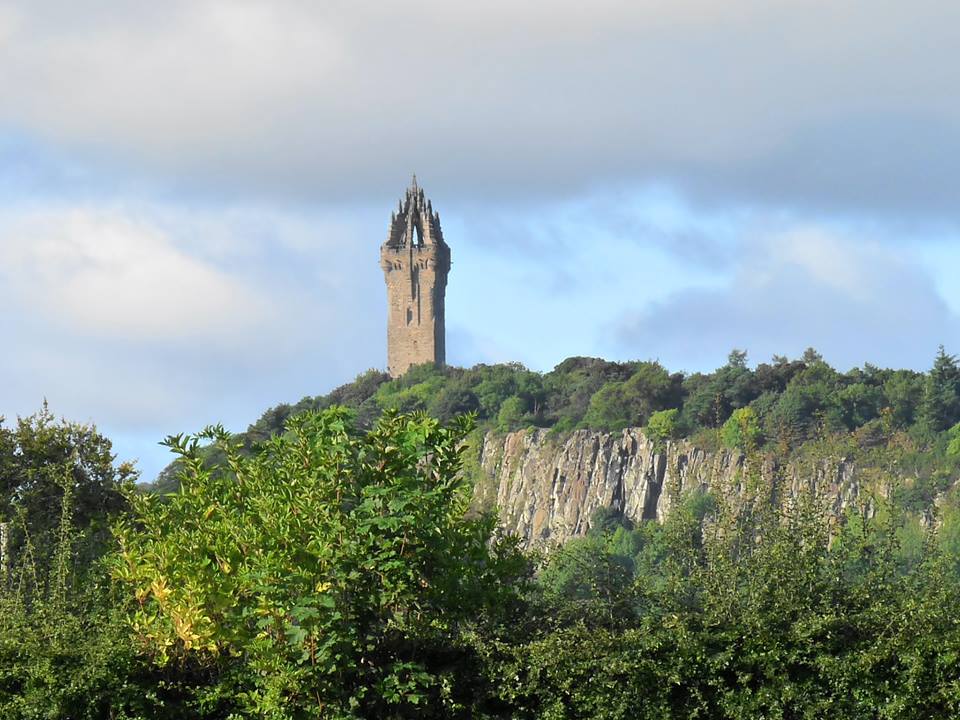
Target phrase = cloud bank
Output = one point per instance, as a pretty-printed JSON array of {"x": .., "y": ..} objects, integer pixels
[{"x": 844, "y": 106}]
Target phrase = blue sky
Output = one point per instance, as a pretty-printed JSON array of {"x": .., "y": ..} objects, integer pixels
[{"x": 193, "y": 193}]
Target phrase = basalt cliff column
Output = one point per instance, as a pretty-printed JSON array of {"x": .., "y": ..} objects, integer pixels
[{"x": 547, "y": 488}]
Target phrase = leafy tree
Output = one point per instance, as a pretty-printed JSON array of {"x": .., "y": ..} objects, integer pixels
[
  {"x": 512, "y": 415},
  {"x": 413, "y": 391},
  {"x": 774, "y": 378},
  {"x": 663, "y": 426},
  {"x": 36, "y": 455},
  {"x": 337, "y": 569},
  {"x": 807, "y": 405},
  {"x": 605, "y": 520},
  {"x": 454, "y": 399},
  {"x": 742, "y": 430},
  {"x": 627, "y": 403},
  {"x": 904, "y": 392},
  {"x": 497, "y": 383},
  {"x": 584, "y": 581},
  {"x": 572, "y": 384},
  {"x": 711, "y": 399},
  {"x": 737, "y": 359},
  {"x": 352, "y": 394},
  {"x": 858, "y": 404}
]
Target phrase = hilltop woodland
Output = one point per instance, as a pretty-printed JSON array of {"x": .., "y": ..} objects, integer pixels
[
  {"x": 328, "y": 563},
  {"x": 877, "y": 416}
]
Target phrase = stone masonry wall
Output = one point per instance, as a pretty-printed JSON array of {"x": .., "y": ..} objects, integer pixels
[{"x": 415, "y": 308}]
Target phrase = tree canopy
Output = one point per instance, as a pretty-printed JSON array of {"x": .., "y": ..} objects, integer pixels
[
  {"x": 41, "y": 457},
  {"x": 793, "y": 401}
]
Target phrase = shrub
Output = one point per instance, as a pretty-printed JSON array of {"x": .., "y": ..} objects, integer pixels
[{"x": 338, "y": 568}]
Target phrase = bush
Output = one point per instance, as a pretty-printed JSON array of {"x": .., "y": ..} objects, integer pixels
[
  {"x": 65, "y": 647},
  {"x": 755, "y": 610},
  {"x": 338, "y": 568}
]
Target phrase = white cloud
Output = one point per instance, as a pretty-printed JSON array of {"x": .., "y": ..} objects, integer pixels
[
  {"x": 195, "y": 73},
  {"x": 859, "y": 270},
  {"x": 109, "y": 275},
  {"x": 9, "y": 22}
]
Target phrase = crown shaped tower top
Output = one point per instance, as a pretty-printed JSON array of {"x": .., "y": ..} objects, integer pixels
[{"x": 414, "y": 224}]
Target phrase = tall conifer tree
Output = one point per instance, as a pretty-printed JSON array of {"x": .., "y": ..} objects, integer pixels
[{"x": 941, "y": 398}]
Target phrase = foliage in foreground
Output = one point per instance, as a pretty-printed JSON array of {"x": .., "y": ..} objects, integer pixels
[
  {"x": 65, "y": 646},
  {"x": 742, "y": 610},
  {"x": 332, "y": 574}
]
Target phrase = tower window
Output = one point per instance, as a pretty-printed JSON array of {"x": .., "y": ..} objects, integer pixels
[{"x": 409, "y": 315}]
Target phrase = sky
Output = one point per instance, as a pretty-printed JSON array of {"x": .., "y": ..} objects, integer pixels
[{"x": 193, "y": 193}]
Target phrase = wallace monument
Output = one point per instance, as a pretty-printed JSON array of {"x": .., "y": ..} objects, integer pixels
[{"x": 415, "y": 262}]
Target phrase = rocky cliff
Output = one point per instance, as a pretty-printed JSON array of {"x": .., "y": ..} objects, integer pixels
[{"x": 547, "y": 487}]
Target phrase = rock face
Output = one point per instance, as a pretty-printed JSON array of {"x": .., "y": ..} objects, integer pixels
[{"x": 547, "y": 488}]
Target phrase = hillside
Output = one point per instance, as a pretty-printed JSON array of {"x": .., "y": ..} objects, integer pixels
[
  {"x": 787, "y": 402},
  {"x": 899, "y": 423}
]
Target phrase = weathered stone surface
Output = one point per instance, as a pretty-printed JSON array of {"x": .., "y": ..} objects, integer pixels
[
  {"x": 547, "y": 488},
  {"x": 415, "y": 262}
]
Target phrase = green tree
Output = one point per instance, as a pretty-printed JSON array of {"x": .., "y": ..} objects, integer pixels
[
  {"x": 742, "y": 430},
  {"x": 711, "y": 398},
  {"x": 572, "y": 384},
  {"x": 857, "y": 404},
  {"x": 617, "y": 404},
  {"x": 808, "y": 405},
  {"x": 454, "y": 399},
  {"x": 904, "y": 391},
  {"x": 941, "y": 397},
  {"x": 584, "y": 581},
  {"x": 39, "y": 457},
  {"x": 337, "y": 568},
  {"x": 663, "y": 426},
  {"x": 512, "y": 415}
]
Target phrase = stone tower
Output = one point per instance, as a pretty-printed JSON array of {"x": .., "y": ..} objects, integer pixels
[{"x": 415, "y": 262}]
